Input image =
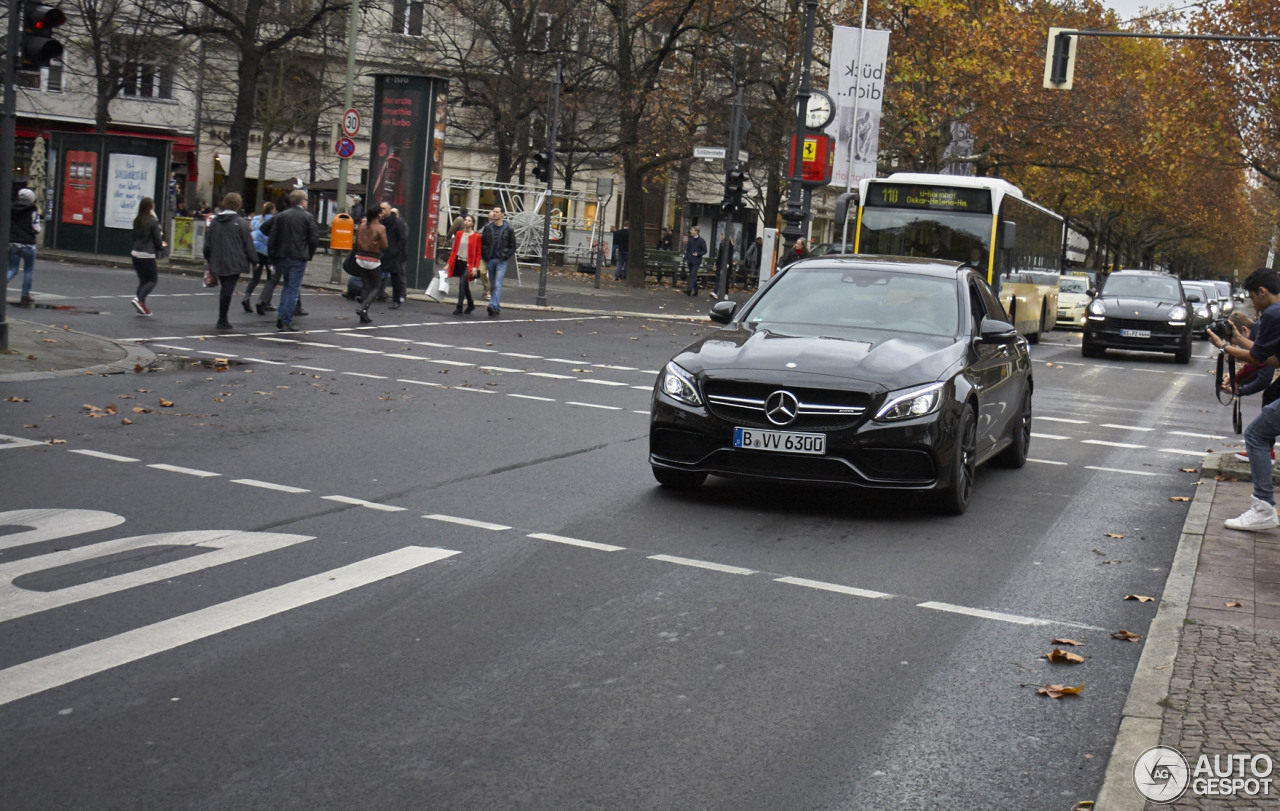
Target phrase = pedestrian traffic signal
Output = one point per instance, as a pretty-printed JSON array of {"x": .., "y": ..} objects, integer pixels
[
  {"x": 542, "y": 166},
  {"x": 39, "y": 48},
  {"x": 734, "y": 188},
  {"x": 1060, "y": 59}
]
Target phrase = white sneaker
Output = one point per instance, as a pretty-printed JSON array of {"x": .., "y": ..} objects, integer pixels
[{"x": 1259, "y": 517}]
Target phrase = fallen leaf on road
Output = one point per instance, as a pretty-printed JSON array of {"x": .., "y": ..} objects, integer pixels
[
  {"x": 1178, "y": 498},
  {"x": 1067, "y": 642},
  {"x": 126, "y": 421},
  {"x": 57, "y": 442},
  {"x": 1059, "y": 690},
  {"x": 125, "y": 397},
  {"x": 1126, "y": 636},
  {"x": 18, "y": 399},
  {"x": 1111, "y": 535},
  {"x": 166, "y": 403},
  {"x": 1142, "y": 598},
  {"x": 141, "y": 410},
  {"x": 40, "y": 331},
  {"x": 558, "y": 332},
  {"x": 1235, "y": 604},
  {"x": 1061, "y": 657},
  {"x": 263, "y": 393},
  {"x": 50, "y": 340},
  {"x": 1188, "y": 470}
]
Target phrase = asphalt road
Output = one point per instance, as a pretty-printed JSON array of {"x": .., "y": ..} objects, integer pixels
[{"x": 425, "y": 565}]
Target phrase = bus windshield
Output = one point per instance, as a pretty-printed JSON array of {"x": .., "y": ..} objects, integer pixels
[{"x": 938, "y": 234}]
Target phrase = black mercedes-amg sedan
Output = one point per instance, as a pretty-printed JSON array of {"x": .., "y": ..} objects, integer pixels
[{"x": 859, "y": 371}]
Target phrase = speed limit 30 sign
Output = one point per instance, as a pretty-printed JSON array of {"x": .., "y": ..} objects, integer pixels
[{"x": 351, "y": 122}]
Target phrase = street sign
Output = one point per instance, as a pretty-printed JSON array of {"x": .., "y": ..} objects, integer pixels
[
  {"x": 351, "y": 122},
  {"x": 345, "y": 147},
  {"x": 711, "y": 153}
]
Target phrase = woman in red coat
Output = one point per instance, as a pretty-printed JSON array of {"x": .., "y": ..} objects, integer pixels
[{"x": 464, "y": 262}]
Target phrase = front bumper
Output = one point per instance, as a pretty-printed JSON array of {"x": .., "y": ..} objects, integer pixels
[{"x": 1163, "y": 337}]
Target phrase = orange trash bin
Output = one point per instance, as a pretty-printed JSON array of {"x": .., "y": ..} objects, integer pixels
[{"x": 342, "y": 233}]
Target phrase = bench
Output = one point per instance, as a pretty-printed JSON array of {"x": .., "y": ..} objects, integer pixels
[{"x": 661, "y": 264}]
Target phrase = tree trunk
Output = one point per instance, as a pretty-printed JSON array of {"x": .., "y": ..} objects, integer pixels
[
  {"x": 242, "y": 122},
  {"x": 633, "y": 205}
]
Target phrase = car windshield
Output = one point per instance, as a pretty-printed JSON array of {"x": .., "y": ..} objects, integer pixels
[
  {"x": 857, "y": 298},
  {"x": 1200, "y": 292},
  {"x": 1073, "y": 285},
  {"x": 1161, "y": 288}
]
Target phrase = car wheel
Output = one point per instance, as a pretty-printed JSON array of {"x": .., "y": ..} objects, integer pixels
[
  {"x": 1183, "y": 355},
  {"x": 678, "y": 479},
  {"x": 1034, "y": 337},
  {"x": 1015, "y": 455},
  {"x": 955, "y": 498}
]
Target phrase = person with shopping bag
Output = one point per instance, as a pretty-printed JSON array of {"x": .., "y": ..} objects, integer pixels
[
  {"x": 371, "y": 241},
  {"x": 464, "y": 263}
]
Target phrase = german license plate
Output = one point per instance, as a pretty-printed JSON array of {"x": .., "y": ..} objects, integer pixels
[
  {"x": 780, "y": 441},
  {"x": 1135, "y": 333}
]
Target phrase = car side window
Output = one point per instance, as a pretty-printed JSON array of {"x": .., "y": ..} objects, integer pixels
[{"x": 983, "y": 303}]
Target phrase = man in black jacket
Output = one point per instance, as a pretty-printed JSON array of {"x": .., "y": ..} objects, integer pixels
[
  {"x": 24, "y": 225},
  {"x": 394, "y": 256},
  {"x": 497, "y": 247},
  {"x": 295, "y": 235}
]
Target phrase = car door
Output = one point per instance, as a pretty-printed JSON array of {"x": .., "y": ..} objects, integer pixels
[{"x": 993, "y": 370}]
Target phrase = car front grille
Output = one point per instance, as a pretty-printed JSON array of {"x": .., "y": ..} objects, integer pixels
[{"x": 819, "y": 409}]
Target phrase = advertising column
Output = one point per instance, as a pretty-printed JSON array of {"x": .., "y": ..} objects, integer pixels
[{"x": 404, "y": 163}]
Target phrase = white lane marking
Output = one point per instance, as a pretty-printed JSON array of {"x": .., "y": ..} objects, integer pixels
[
  {"x": 551, "y": 376},
  {"x": 283, "y": 488},
  {"x": 1197, "y": 436},
  {"x": 361, "y": 350},
  {"x": 311, "y": 368},
  {"x": 1070, "y": 363},
  {"x": 1122, "y": 470},
  {"x": 646, "y": 413},
  {"x": 643, "y": 388},
  {"x": 190, "y": 471},
  {"x": 172, "y": 346},
  {"x": 1001, "y": 617},
  {"x": 216, "y": 354},
  {"x": 111, "y": 457},
  {"x": 500, "y": 369},
  {"x": 521, "y": 396},
  {"x": 618, "y": 368},
  {"x": 420, "y": 383},
  {"x": 55, "y": 670},
  {"x": 279, "y": 340},
  {"x": 1181, "y": 452},
  {"x": 387, "y": 338},
  {"x": 1111, "y": 444},
  {"x": 434, "y": 345},
  {"x": 1060, "y": 419},
  {"x": 563, "y": 360},
  {"x": 466, "y": 522},
  {"x": 476, "y": 349},
  {"x": 602, "y": 382},
  {"x": 46, "y": 525},
  {"x": 1048, "y": 436},
  {"x": 362, "y": 374},
  {"x": 450, "y": 362},
  {"x": 818, "y": 584},
  {"x": 1126, "y": 427},
  {"x": 359, "y": 502},
  {"x": 406, "y": 357},
  {"x": 1045, "y": 461},
  {"x": 603, "y": 547},
  {"x": 701, "y": 564},
  {"x": 317, "y": 343},
  {"x": 593, "y": 405},
  {"x": 473, "y": 389},
  {"x": 261, "y": 360},
  {"x": 520, "y": 355}
]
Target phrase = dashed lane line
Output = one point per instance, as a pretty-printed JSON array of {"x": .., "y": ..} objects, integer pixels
[
  {"x": 593, "y": 405},
  {"x": 1125, "y": 427},
  {"x": 111, "y": 457},
  {"x": 1110, "y": 444},
  {"x": 467, "y": 522},
  {"x": 359, "y": 502},
  {"x": 839, "y": 589},
  {"x": 702, "y": 564},
  {"x": 1122, "y": 470},
  {"x": 189, "y": 471},
  {"x": 567, "y": 541},
  {"x": 283, "y": 488},
  {"x": 1001, "y": 617}
]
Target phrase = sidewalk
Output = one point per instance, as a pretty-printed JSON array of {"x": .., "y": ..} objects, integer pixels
[{"x": 1208, "y": 681}]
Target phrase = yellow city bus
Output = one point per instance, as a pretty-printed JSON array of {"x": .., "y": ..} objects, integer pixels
[{"x": 982, "y": 221}]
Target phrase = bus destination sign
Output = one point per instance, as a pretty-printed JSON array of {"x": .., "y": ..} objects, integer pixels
[{"x": 933, "y": 198}]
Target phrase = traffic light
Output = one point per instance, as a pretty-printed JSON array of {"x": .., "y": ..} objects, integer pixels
[
  {"x": 1060, "y": 59},
  {"x": 39, "y": 48},
  {"x": 734, "y": 189},
  {"x": 542, "y": 166}
]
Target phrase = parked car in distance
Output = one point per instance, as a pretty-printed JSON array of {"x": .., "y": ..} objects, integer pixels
[
  {"x": 1227, "y": 304},
  {"x": 1142, "y": 310},
  {"x": 850, "y": 371},
  {"x": 1073, "y": 297},
  {"x": 1202, "y": 302}
]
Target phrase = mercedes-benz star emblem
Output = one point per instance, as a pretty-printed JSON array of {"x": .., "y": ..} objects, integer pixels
[{"x": 781, "y": 407}]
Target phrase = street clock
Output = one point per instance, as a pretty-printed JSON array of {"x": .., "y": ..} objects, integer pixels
[{"x": 821, "y": 110}]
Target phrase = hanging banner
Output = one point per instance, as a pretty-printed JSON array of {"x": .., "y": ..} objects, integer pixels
[
  {"x": 129, "y": 179},
  {"x": 405, "y": 161},
  {"x": 857, "y": 81}
]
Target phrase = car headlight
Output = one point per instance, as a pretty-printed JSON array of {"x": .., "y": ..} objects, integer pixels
[
  {"x": 678, "y": 384},
  {"x": 1203, "y": 312},
  {"x": 1097, "y": 309},
  {"x": 913, "y": 402},
  {"x": 1178, "y": 314}
]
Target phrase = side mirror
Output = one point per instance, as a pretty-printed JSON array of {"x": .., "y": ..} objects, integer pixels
[
  {"x": 722, "y": 311},
  {"x": 993, "y": 331},
  {"x": 1091, "y": 293},
  {"x": 1193, "y": 298}
]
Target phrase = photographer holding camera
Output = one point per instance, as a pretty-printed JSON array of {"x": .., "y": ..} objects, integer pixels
[{"x": 1263, "y": 288}]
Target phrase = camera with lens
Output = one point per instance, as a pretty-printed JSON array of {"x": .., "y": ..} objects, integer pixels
[{"x": 1221, "y": 328}]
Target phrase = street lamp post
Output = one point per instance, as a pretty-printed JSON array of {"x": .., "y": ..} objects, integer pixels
[
  {"x": 796, "y": 210},
  {"x": 348, "y": 99},
  {"x": 553, "y": 133}
]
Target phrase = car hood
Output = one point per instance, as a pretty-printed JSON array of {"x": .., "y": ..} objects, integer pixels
[
  {"x": 1070, "y": 300},
  {"x": 868, "y": 361},
  {"x": 1130, "y": 307}
]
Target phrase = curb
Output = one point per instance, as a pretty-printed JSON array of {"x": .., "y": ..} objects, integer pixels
[
  {"x": 134, "y": 356},
  {"x": 1142, "y": 718}
]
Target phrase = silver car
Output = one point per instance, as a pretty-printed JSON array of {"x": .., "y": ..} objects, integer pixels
[{"x": 1202, "y": 300}]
